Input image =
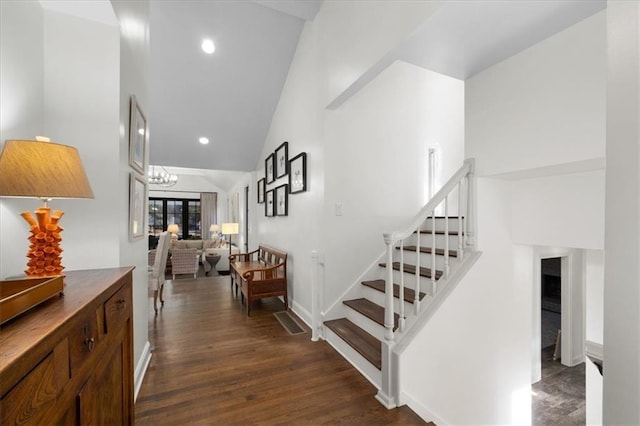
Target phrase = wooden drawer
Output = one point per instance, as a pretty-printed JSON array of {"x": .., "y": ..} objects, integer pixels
[
  {"x": 84, "y": 339},
  {"x": 117, "y": 309},
  {"x": 32, "y": 401}
]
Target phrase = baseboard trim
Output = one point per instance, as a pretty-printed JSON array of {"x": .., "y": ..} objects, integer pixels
[
  {"x": 426, "y": 414},
  {"x": 141, "y": 369},
  {"x": 301, "y": 312}
]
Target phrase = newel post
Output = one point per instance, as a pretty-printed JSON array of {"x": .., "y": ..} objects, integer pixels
[
  {"x": 316, "y": 317},
  {"x": 388, "y": 290},
  {"x": 471, "y": 204}
]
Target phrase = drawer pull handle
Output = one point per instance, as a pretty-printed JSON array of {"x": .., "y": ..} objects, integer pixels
[
  {"x": 90, "y": 344},
  {"x": 122, "y": 303}
]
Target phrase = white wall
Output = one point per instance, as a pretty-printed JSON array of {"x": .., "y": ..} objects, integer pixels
[
  {"x": 21, "y": 109},
  {"x": 298, "y": 120},
  {"x": 539, "y": 118},
  {"x": 134, "y": 75},
  {"x": 470, "y": 364},
  {"x": 376, "y": 162},
  {"x": 82, "y": 70},
  {"x": 356, "y": 34},
  {"x": 622, "y": 216},
  {"x": 64, "y": 72},
  {"x": 349, "y": 149},
  {"x": 559, "y": 211},
  {"x": 543, "y": 106}
]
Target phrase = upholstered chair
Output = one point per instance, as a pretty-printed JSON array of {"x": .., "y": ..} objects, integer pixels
[
  {"x": 184, "y": 261},
  {"x": 156, "y": 271}
]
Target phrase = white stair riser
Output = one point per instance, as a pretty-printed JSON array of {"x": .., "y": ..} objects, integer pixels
[
  {"x": 358, "y": 361},
  {"x": 366, "y": 324},
  {"x": 410, "y": 257},
  {"x": 410, "y": 280},
  {"x": 378, "y": 298},
  {"x": 440, "y": 224}
]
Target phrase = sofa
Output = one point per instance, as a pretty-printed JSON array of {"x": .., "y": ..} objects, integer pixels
[{"x": 205, "y": 247}]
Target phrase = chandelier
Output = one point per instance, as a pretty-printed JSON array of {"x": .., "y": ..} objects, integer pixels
[{"x": 162, "y": 178}]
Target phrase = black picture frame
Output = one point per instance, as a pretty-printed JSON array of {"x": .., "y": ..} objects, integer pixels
[
  {"x": 269, "y": 205},
  {"x": 269, "y": 172},
  {"x": 282, "y": 160},
  {"x": 260, "y": 190},
  {"x": 281, "y": 202},
  {"x": 298, "y": 173}
]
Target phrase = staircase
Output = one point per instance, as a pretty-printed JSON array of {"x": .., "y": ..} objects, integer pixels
[{"x": 384, "y": 310}]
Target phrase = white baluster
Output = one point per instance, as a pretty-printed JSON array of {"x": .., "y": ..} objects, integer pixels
[
  {"x": 433, "y": 253},
  {"x": 416, "y": 300},
  {"x": 466, "y": 209},
  {"x": 471, "y": 193},
  {"x": 388, "y": 300},
  {"x": 401, "y": 289},
  {"x": 461, "y": 219},
  {"x": 446, "y": 235}
]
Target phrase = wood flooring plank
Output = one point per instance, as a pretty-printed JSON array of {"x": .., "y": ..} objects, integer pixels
[{"x": 214, "y": 365}]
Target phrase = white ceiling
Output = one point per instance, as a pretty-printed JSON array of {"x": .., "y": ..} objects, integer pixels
[{"x": 230, "y": 96}]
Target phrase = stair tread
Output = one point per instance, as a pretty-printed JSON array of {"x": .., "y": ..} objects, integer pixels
[
  {"x": 370, "y": 310},
  {"x": 411, "y": 269},
  {"x": 409, "y": 293},
  {"x": 439, "y": 252},
  {"x": 442, "y": 217},
  {"x": 364, "y": 343},
  {"x": 428, "y": 231}
]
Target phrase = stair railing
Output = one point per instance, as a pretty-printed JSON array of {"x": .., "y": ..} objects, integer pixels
[{"x": 461, "y": 182}]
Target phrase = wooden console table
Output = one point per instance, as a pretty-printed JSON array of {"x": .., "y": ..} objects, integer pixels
[{"x": 69, "y": 360}]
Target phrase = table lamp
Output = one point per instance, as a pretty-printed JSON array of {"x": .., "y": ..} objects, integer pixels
[
  {"x": 230, "y": 229},
  {"x": 43, "y": 170},
  {"x": 173, "y": 230},
  {"x": 214, "y": 229}
]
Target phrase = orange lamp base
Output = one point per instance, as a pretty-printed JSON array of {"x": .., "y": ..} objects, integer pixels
[{"x": 44, "y": 252}]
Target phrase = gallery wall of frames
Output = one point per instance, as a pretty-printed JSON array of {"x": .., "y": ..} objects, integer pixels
[{"x": 277, "y": 166}]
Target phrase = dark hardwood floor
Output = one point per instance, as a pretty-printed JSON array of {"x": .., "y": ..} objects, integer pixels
[{"x": 214, "y": 365}]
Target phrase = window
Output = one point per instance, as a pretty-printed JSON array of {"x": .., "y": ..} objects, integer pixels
[{"x": 184, "y": 212}]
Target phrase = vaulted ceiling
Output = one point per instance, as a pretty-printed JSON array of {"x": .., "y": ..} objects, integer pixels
[{"x": 230, "y": 96}]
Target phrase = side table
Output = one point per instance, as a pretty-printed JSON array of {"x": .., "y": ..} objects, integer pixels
[{"x": 210, "y": 262}]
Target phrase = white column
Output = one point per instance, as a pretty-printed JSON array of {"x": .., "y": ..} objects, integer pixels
[{"x": 621, "y": 380}]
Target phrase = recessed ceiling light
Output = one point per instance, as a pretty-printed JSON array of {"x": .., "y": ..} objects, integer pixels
[
  {"x": 203, "y": 140},
  {"x": 208, "y": 46}
]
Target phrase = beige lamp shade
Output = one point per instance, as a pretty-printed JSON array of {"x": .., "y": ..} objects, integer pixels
[
  {"x": 230, "y": 228},
  {"x": 214, "y": 228},
  {"x": 173, "y": 228},
  {"x": 43, "y": 170}
]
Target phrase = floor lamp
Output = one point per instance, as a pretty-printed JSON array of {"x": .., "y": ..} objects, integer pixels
[{"x": 230, "y": 229}]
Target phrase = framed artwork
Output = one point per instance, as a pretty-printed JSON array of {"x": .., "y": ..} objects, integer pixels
[
  {"x": 298, "y": 173},
  {"x": 137, "y": 206},
  {"x": 260, "y": 191},
  {"x": 268, "y": 204},
  {"x": 269, "y": 168},
  {"x": 137, "y": 137},
  {"x": 282, "y": 200},
  {"x": 282, "y": 159}
]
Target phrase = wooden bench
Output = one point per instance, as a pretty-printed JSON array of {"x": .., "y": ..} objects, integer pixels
[{"x": 259, "y": 274}]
